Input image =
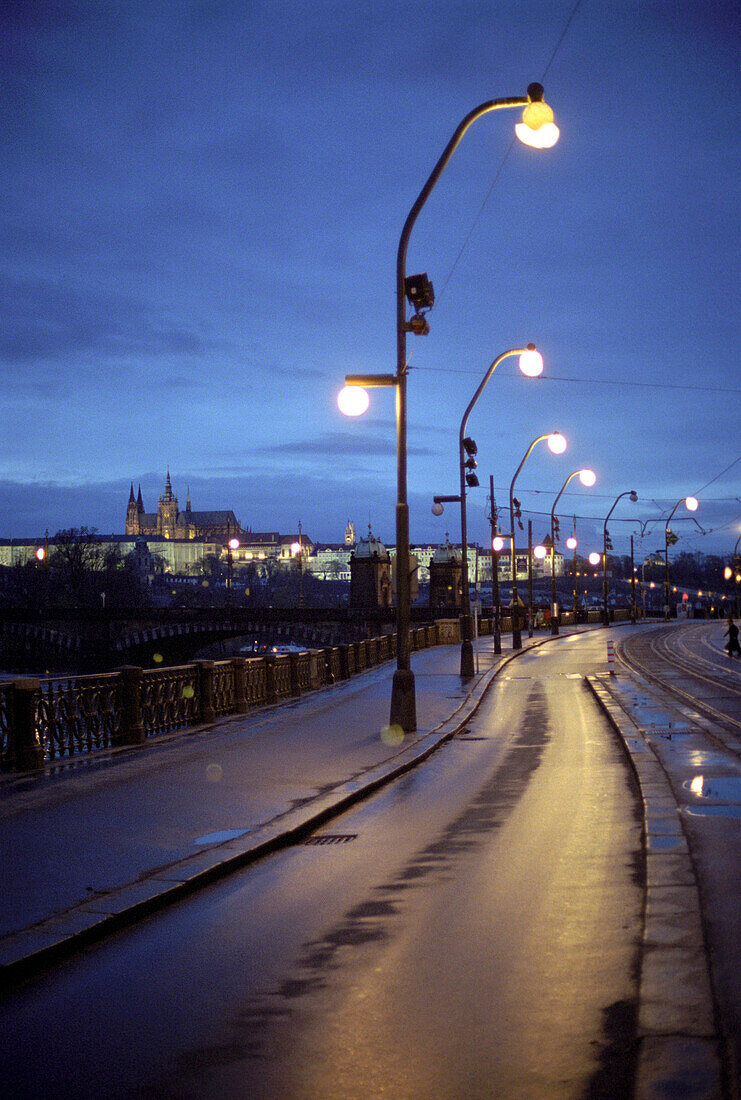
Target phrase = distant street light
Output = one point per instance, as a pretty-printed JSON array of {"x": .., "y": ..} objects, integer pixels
[
  {"x": 587, "y": 478},
  {"x": 691, "y": 504},
  {"x": 733, "y": 572},
  {"x": 531, "y": 365},
  {"x": 537, "y": 129},
  {"x": 557, "y": 445},
  {"x": 232, "y": 545},
  {"x": 606, "y": 544}
]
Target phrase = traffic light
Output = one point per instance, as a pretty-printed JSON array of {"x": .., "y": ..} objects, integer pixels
[
  {"x": 556, "y": 529},
  {"x": 518, "y": 513},
  {"x": 608, "y": 541},
  {"x": 470, "y": 463},
  {"x": 671, "y": 538}
]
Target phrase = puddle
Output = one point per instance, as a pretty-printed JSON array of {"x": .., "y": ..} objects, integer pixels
[
  {"x": 221, "y": 835},
  {"x": 713, "y": 811},
  {"x": 721, "y": 788}
]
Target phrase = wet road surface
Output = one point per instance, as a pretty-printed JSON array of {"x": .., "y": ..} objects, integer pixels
[
  {"x": 696, "y": 734},
  {"x": 472, "y": 930}
]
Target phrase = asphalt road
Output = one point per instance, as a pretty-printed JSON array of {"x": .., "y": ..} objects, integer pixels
[{"x": 471, "y": 931}]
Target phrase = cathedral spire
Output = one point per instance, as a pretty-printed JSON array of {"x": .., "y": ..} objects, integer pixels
[
  {"x": 139, "y": 501},
  {"x": 169, "y": 495},
  {"x": 187, "y": 500},
  {"x": 132, "y": 499}
]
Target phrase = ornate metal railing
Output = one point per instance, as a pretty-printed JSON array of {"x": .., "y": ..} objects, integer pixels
[
  {"x": 223, "y": 688},
  {"x": 56, "y": 718},
  {"x": 169, "y": 699},
  {"x": 255, "y": 681},
  {"x": 77, "y": 714}
]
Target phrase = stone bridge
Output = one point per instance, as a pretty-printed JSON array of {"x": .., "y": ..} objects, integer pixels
[{"x": 86, "y": 641}]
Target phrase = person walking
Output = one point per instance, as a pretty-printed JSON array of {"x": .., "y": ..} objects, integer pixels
[{"x": 732, "y": 634}]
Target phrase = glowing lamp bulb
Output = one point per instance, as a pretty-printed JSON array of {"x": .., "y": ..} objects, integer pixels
[
  {"x": 353, "y": 400},
  {"x": 691, "y": 503},
  {"x": 234, "y": 544},
  {"x": 571, "y": 543},
  {"x": 531, "y": 362},
  {"x": 497, "y": 544},
  {"x": 587, "y": 478},
  {"x": 557, "y": 443},
  {"x": 539, "y": 552},
  {"x": 595, "y": 558},
  {"x": 295, "y": 548},
  {"x": 537, "y": 128},
  {"x": 40, "y": 553}
]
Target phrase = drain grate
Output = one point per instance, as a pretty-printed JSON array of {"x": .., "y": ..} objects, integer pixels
[
  {"x": 669, "y": 731},
  {"x": 331, "y": 838}
]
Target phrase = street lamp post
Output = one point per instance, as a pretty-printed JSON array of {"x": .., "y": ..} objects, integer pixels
[
  {"x": 531, "y": 364},
  {"x": 572, "y": 544},
  {"x": 605, "y": 539},
  {"x": 587, "y": 478},
  {"x": 691, "y": 504},
  {"x": 537, "y": 129},
  {"x": 496, "y": 543},
  {"x": 557, "y": 444}
]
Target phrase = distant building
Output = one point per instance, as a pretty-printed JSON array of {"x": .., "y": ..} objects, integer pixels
[
  {"x": 370, "y": 574},
  {"x": 445, "y": 577},
  {"x": 168, "y": 522}
]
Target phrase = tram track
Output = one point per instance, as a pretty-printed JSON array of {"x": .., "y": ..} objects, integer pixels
[{"x": 687, "y": 662}]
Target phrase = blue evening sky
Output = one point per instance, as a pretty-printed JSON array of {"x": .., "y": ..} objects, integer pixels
[{"x": 202, "y": 203}]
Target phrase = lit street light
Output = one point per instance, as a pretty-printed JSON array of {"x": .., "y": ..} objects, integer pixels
[
  {"x": 691, "y": 504},
  {"x": 732, "y": 571},
  {"x": 531, "y": 365},
  {"x": 538, "y": 129},
  {"x": 606, "y": 544},
  {"x": 557, "y": 445},
  {"x": 587, "y": 478}
]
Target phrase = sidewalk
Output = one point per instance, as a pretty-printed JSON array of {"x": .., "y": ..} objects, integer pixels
[{"x": 93, "y": 844}]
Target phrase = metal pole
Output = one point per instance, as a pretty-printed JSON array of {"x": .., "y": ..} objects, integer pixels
[
  {"x": 633, "y": 613},
  {"x": 516, "y": 636},
  {"x": 467, "y": 669},
  {"x": 634, "y": 497},
  {"x": 529, "y": 578},
  {"x": 605, "y": 609},
  {"x": 576, "y": 606},
  {"x": 495, "y": 570},
  {"x": 403, "y": 699},
  {"x": 666, "y": 559}
]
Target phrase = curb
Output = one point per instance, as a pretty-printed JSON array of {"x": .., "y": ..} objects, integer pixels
[{"x": 678, "y": 1040}]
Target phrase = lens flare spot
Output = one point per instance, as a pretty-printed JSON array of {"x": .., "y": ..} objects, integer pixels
[
  {"x": 157, "y": 658},
  {"x": 214, "y": 773},
  {"x": 188, "y": 692},
  {"x": 392, "y": 735}
]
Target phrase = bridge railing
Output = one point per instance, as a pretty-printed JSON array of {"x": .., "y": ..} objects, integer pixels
[{"x": 52, "y": 719}]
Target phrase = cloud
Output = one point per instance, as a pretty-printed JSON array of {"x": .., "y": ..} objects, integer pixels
[{"x": 43, "y": 320}]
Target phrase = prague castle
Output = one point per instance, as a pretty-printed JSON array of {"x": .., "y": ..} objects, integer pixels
[{"x": 168, "y": 522}]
